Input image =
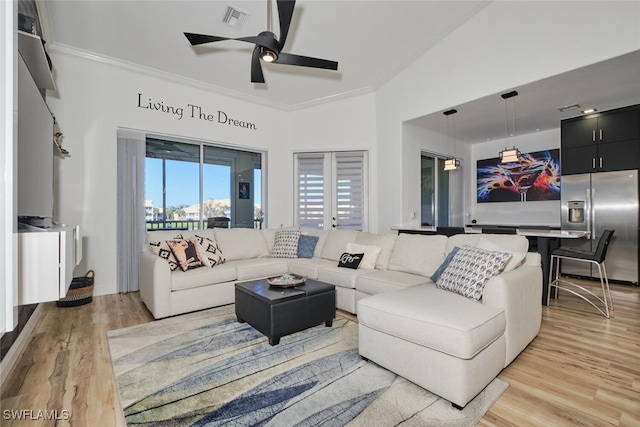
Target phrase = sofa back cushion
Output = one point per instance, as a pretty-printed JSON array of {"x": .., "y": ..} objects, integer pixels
[
  {"x": 163, "y": 235},
  {"x": 322, "y": 237},
  {"x": 336, "y": 243},
  {"x": 514, "y": 244},
  {"x": 241, "y": 243},
  {"x": 270, "y": 235},
  {"x": 384, "y": 241},
  {"x": 418, "y": 254},
  {"x": 510, "y": 242}
]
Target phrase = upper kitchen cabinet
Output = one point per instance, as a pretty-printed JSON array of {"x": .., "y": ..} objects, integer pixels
[{"x": 601, "y": 142}]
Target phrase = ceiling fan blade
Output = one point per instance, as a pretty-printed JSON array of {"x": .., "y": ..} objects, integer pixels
[
  {"x": 285, "y": 12},
  {"x": 256, "y": 67},
  {"x": 305, "y": 61},
  {"x": 196, "y": 39},
  {"x": 264, "y": 40}
]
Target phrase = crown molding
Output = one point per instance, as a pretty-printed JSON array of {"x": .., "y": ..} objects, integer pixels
[{"x": 152, "y": 72}]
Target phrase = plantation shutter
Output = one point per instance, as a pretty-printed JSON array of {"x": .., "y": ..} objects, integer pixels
[
  {"x": 311, "y": 190},
  {"x": 331, "y": 190},
  {"x": 349, "y": 190}
]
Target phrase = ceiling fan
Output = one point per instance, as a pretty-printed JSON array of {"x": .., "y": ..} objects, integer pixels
[{"x": 268, "y": 47}]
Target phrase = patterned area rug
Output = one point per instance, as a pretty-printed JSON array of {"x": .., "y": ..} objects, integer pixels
[{"x": 205, "y": 368}]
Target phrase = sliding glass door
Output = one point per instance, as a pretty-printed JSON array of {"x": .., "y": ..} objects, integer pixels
[
  {"x": 435, "y": 192},
  {"x": 197, "y": 185}
]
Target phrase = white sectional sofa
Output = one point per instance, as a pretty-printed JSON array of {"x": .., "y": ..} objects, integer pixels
[{"x": 439, "y": 339}]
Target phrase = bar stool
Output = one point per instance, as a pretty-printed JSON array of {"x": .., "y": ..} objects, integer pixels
[
  {"x": 596, "y": 258},
  {"x": 449, "y": 231},
  {"x": 500, "y": 230}
]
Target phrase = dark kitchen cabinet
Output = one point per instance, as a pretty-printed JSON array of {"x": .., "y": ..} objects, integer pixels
[{"x": 601, "y": 142}]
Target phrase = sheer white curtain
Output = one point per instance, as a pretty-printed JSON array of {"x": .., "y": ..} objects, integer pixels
[{"x": 130, "y": 207}]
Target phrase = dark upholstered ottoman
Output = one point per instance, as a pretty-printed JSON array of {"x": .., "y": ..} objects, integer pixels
[{"x": 281, "y": 311}]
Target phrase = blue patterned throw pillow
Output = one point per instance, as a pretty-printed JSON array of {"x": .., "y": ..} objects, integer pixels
[
  {"x": 434, "y": 278},
  {"x": 307, "y": 245},
  {"x": 470, "y": 269}
]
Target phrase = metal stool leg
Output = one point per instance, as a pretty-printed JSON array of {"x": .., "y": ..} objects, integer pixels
[
  {"x": 553, "y": 282},
  {"x": 605, "y": 285},
  {"x": 606, "y": 297}
]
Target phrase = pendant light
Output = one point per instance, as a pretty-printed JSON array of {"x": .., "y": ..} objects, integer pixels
[
  {"x": 509, "y": 155},
  {"x": 451, "y": 163}
]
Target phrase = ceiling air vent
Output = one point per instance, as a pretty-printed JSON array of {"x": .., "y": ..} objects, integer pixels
[{"x": 234, "y": 17}]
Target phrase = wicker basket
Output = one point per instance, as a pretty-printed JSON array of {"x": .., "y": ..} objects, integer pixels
[{"x": 80, "y": 292}]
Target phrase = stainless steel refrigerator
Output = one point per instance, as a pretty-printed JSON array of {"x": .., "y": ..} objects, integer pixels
[{"x": 598, "y": 201}]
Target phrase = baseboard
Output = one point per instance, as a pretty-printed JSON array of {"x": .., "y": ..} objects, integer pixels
[{"x": 9, "y": 360}]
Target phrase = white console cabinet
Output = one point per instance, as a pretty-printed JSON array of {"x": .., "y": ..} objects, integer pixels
[{"x": 46, "y": 259}]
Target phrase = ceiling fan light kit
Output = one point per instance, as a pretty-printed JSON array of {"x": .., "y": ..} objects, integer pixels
[{"x": 268, "y": 47}]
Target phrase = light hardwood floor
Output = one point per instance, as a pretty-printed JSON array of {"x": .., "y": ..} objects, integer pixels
[{"x": 582, "y": 369}]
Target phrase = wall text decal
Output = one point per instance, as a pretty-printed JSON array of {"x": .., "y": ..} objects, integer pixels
[{"x": 193, "y": 111}]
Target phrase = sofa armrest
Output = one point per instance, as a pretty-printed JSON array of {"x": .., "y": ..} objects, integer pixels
[
  {"x": 533, "y": 258},
  {"x": 519, "y": 293},
  {"x": 155, "y": 284}
]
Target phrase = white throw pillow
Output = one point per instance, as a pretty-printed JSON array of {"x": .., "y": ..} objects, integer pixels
[
  {"x": 517, "y": 258},
  {"x": 370, "y": 252}
]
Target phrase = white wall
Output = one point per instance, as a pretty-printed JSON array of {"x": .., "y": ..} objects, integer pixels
[
  {"x": 8, "y": 132},
  {"x": 92, "y": 100},
  {"x": 513, "y": 213},
  {"x": 507, "y": 44},
  {"x": 417, "y": 140},
  {"x": 347, "y": 124}
]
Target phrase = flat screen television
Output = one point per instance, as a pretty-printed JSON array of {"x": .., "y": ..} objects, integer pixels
[{"x": 35, "y": 150}]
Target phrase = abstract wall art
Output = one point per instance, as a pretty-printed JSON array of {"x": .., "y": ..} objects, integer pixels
[{"x": 536, "y": 177}]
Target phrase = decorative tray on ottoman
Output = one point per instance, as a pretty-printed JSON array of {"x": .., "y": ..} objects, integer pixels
[{"x": 286, "y": 281}]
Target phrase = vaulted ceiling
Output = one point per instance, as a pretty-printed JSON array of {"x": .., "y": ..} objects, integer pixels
[{"x": 372, "y": 40}]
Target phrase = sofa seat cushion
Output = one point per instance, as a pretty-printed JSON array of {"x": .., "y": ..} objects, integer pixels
[
  {"x": 203, "y": 276},
  {"x": 379, "y": 281},
  {"x": 306, "y": 267},
  {"x": 259, "y": 268},
  {"x": 434, "y": 318},
  {"x": 340, "y": 276}
]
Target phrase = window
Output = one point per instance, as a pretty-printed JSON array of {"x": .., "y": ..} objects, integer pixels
[
  {"x": 331, "y": 190},
  {"x": 196, "y": 185},
  {"x": 441, "y": 199}
]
